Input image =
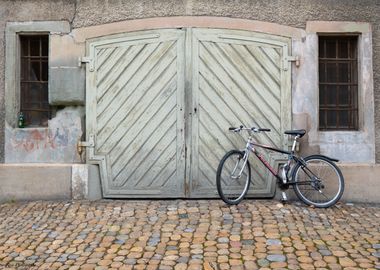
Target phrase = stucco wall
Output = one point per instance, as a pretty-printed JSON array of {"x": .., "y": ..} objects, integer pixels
[
  {"x": 287, "y": 12},
  {"x": 13, "y": 11}
]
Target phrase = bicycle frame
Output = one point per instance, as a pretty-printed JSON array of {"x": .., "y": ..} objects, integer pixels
[{"x": 251, "y": 147}]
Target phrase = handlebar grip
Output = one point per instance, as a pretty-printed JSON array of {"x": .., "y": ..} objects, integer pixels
[
  {"x": 264, "y": 129},
  {"x": 232, "y": 128}
]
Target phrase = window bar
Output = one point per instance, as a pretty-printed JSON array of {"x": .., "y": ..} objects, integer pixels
[{"x": 337, "y": 123}]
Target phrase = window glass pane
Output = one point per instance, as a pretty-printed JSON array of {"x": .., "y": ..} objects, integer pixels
[
  {"x": 44, "y": 71},
  {"x": 44, "y": 96},
  {"x": 322, "y": 122},
  {"x": 331, "y": 72},
  {"x": 321, "y": 48},
  {"x": 343, "y": 49},
  {"x": 44, "y": 46},
  {"x": 344, "y": 72},
  {"x": 24, "y": 75},
  {"x": 35, "y": 46},
  {"x": 322, "y": 94},
  {"x": 331, "y": 119},
  {"x": 34, "y": 73},
  {"x": 344, "y": 95},
  {"x": 353, "y": 47},
  {"x": 34, "y": 94},
  {"x": 24, "y": 46},
  {"x": 343, "y": 119},
  {"x": 354, "y": 72},
  {"x": 330, "y": 48},
  {"x": 331, "y": 95},
  {"x": 322, "y": 77}
]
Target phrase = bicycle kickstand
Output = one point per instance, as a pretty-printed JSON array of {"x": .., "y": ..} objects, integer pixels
[{"x": 284, "y": 197}]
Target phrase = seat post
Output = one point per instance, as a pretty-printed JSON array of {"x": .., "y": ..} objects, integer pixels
[{"x": 295, "y": 143}]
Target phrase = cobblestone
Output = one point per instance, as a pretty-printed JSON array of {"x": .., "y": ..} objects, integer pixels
[{"x": 181, "y": 234}]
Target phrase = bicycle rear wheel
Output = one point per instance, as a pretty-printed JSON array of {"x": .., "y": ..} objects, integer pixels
[
  {"x": 233, "y": 177},
  {"x": 318, "y": 182}
]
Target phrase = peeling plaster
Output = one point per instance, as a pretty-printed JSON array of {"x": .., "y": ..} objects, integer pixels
[{"x": 56, "y": 143}]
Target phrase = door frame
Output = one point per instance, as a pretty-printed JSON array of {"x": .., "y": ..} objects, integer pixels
[{"x": 82, "y": 35}]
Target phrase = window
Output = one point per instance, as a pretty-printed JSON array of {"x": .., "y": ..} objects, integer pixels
[
  {"x": 338, "y": 83},
  {"x": 34, "y": 102}
]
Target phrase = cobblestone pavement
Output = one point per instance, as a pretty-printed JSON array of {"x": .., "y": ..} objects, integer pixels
[{"x": 187, "y": 234}]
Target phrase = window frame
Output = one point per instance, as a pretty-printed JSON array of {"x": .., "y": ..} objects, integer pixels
[
  {"x": 354, "y": 106},
  {"x": 20, "y": 81},
  {"x": 12, "y": 60}
]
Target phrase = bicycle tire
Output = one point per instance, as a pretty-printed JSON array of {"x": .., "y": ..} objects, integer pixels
[
  {"x": 235, "y": 192},
  {"x": 323, "y": 190}
]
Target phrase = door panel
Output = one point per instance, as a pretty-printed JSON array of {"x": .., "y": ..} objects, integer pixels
[
  {"x": 238, "y": 78},
  {"x": 137, "y": 114}
]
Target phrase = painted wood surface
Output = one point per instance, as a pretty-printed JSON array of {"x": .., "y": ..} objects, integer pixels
[
  {"x": 139, "y": 112},
  {"x": 238, "y": 78},
  {"x": 159, "y": 104}
]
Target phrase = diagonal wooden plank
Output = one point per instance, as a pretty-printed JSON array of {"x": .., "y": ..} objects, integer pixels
[
  {"x": 142, "y": 64},
  {"x": 122, "y": 155},
  {"x": 121, "y": 171},
  {"x": 236, "y": 107},
  {"x": 250, "y": 80},
  {"x": 111, "y": 85},
  {"x": 139, "y": 113},
  {"x": 214, "y": 106},
  {"x": 273, "y": 55},
  {"x": 205, "y": 169},
  {"x": 271, "y": 66},
  {"x": 160, "y": 80},
  {"x": 167, "y": 177},
  {"x": 244, "y": 97},
  {"x": 152, "y": 169},
  {"x": 102, "y": 55},
  {"x": 153, "y": 156},
  {"x": 113, "y": 63},
  {"x": 254, "y": 63},
  {"x": 233, "y": 79}
]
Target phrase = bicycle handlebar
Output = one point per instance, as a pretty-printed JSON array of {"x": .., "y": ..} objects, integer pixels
[{"x": 254, "y": 129}]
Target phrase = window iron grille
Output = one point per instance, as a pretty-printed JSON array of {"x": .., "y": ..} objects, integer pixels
[
  {"x": 338, "y": 83},
  {"x": 34, "y": 101}
]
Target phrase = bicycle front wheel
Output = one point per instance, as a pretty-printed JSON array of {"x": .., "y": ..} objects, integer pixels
[
  {"x": 318, "y": 181},
  {"x": 233, "y": 177}
]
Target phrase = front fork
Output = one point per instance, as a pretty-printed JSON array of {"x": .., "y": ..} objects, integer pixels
[{"x": 245, "y": 160}]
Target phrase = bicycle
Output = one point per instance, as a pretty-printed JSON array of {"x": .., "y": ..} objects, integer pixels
[{"x": 316, "y": 179}]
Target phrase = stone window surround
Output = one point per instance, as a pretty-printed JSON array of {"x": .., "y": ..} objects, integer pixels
[
  {"x": 12, "y": 74},
  {"x": 347, "y": 146}
]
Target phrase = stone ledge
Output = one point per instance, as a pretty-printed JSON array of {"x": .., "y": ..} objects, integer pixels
[
  {"x": 41, "y": 181},
  {"x": 55, "y": 181},
  {"x": 362, "y": 183}
]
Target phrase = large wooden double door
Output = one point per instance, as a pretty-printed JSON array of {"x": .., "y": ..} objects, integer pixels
[{"x": 159, "y": 104}]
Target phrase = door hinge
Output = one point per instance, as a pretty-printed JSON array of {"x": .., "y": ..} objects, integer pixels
[
  {"x": 90, "y": 143},
  {"x": 289, "y": 58},
  {"x": 87, "y": 60}
]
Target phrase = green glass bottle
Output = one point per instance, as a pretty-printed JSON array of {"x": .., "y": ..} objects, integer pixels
[{"x": 21, "y": 120}]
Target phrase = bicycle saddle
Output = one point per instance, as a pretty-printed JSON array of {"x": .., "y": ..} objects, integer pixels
[{"x": 296, "y": 132}]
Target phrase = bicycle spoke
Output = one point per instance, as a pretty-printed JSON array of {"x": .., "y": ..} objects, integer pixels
[{"x": 318, "y": 182}]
